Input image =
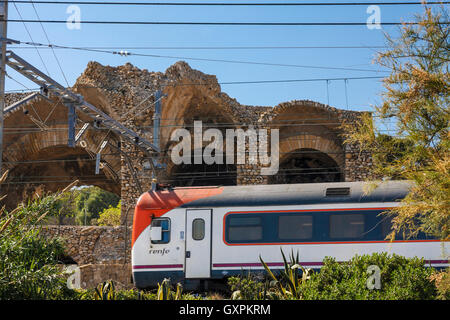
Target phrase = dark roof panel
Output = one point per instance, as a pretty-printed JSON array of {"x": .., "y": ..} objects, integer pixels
[{"x": 306, "y": 193}]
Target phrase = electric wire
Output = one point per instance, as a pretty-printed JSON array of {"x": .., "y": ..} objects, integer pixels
[
  {"x": 48, "y": 40},
  {"x": 29, "y": 35},
  {"x": 227, "y": 23},
  {"x": 126, "y": 53},
  {"x": 210, "y": 47},
  {"x": 254, "y": 4}
]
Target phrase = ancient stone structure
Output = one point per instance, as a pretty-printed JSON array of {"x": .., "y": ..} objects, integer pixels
[
  {"x": 311, "y": 146},
  {"x": 101, "y": 253}
]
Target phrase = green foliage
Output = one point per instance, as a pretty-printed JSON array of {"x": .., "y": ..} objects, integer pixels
[
  {"x": 64, "y": 206},
  {"x": 289, "y": 284},
  {"x": 108, "y": 291},
  {"x": 248, "y": 287},
  {"x": 28, "y": 262},
  {"x": 400, "y": 278},
  {"x": 105, "y": 291},
  {"x": 110, "y": 216},
  {"x": 416, "y": 106},
  {"x": 165, "y": 291},
  {"x": 91, "y": 201},
  {"x": 86, "y": 204},
  {"x": 442, "y": 282}
]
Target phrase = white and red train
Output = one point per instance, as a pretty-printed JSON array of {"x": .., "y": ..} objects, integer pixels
[{"x": 208, "y": 233}]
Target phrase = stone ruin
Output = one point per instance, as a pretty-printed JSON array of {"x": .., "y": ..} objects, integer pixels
[{"x": 312, "y": 148}]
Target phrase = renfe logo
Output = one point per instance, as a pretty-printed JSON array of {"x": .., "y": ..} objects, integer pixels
[
  {"x": 159, "y": 251},
  {"x": 257, "y": 147}
]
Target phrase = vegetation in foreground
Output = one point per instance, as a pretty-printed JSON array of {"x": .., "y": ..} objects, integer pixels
[{"x": 416, "y": 107}]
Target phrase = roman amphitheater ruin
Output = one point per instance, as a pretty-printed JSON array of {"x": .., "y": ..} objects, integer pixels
[{"x": 311, "y": 148}]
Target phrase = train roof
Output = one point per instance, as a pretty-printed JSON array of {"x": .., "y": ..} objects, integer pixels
[{"x": 273, "y": 194}]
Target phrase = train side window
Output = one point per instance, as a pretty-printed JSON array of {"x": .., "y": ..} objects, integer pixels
[
  {"x": 244, "y": 229},
  {"x": 347, "y": 226},
  {"x": 164, "y": 223},
  {"x": 198, "y": 229},
  {"x": 386, "y": 226},
  {"x": 295, "y": 227}
]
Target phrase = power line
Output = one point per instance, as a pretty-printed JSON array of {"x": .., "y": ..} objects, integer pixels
[
  {"x": 48, "y": 40},
  {"x": 29, "y": 34},
  {"x": 232, "y": 82},
  {"x": 126, "y": 53},
  {"x": 254, "y": 4},
  {"x": 209, "y": 47},
  {"x": 192, "y": 23}
]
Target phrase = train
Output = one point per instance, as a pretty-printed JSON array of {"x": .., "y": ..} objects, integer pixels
[{"x": 198, "y": 235}]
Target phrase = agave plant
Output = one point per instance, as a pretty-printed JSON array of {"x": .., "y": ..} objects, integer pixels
[
  {"x": 290, "y": 282},
  {"x": 165, "y": 291},
  {"x": 105, "y": 291}
]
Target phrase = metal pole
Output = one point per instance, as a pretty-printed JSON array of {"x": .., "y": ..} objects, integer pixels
[
  {"x": 156, "y": 128},
  {"x": 72, "y": 118},
  {"x": 3, "y": 34}
]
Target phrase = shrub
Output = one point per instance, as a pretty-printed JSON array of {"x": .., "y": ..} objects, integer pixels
[
  {"x": 400, "y": 278},
  {"x": 110, "y": 216},
  {"x": 442, "y": 281},
  {"x": 29, "y": 264},
  {"x": 247, "y": 287}
]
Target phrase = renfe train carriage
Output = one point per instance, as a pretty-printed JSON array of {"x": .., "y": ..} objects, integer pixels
[{"x": 195, "y": 234}]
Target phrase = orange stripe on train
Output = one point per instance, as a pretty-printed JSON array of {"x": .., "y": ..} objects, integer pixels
[{"x": 157, "y": 203}]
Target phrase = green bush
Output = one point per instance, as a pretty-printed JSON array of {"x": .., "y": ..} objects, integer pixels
[
  {"x": 29, "y": 264},
  {"x": 247, "y": 287},
  {"x": 110, "y": 216},
  {"x": 400, "y": 278},
  {"x": 442, "y": 282},
  {"x": 91, "y": 201}
]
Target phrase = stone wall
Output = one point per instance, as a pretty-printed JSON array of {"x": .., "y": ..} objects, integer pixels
[
  {"x": 192, "y": 95},
  {"x": 101, "y": 253}
]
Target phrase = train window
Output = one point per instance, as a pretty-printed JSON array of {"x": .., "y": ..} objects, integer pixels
[
  {"x": 244, "y": 221},
  {"x": 198, "y": 229},
  {"x": 386, "y": 226},
  {"x": 244, "y": 229},
  {"x": 295, "y": 227},
  {"x": 164, "y": 223},
  {"x": 349, "y": 226}
]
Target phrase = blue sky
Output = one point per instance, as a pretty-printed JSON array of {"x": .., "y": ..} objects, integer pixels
[{"x": 361, "y": 93}]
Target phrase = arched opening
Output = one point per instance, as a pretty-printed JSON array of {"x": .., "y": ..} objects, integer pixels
[
  {"x": 196, "y": 112},
  {"x": 307, "y": 166},
  {"x": 190, "y": 175},
  {"x": 52, "y": 169},
  {"x": 66, "y": 259}
]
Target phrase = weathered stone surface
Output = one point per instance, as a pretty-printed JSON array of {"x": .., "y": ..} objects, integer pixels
[{"x": 94, "y": 245}]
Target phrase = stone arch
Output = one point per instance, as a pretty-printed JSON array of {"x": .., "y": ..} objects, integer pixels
[
  {"x": 39, "y": 157},
  {"x": 311, "y": 142},
  {"x": 307, "y": 166},
  {"x": 309, "y": 137},
  {"x": 202, "y": 174},
  {"x": 181, "y": 109}
]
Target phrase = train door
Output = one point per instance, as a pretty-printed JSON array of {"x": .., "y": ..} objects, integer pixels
[{"x": 198, "y": 244}]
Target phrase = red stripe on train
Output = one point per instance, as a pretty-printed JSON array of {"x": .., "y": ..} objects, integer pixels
[{"x": 157, "y": 203}]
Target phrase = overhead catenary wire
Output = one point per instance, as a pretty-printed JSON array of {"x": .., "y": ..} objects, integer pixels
[
  {"x": 227, "y": 83},
  {"x": 31, "y": 38},
  {"x": 48, "y": 40},
  {"x": 241, "y": 3},
  {"x": 210, "y": 47},
  {"x": 225, "y": 23},
  {"x": 126, "y": 53}
]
